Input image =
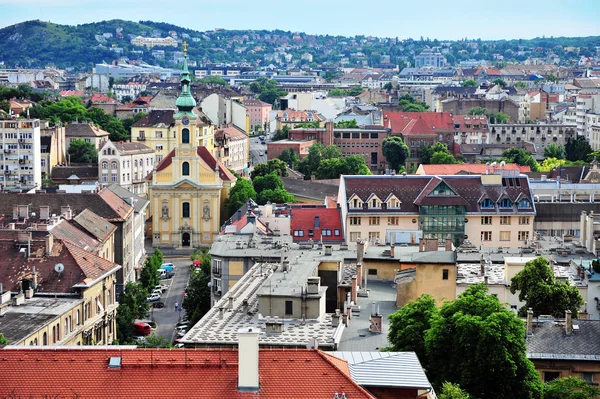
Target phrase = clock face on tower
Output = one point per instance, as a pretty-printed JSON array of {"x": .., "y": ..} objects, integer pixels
[{"x": 185, "y": 121}]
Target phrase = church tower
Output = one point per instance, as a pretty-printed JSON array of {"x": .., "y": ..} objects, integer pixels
[{"x": 186, "y": 129}]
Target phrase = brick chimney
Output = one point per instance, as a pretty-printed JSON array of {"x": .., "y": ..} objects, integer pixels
[
  {"x": 568, "y": 323},
  {"x": 248, "y": 359},
  {"x": 354, "y": 290},
  {"x": 359, "y": 271},
  {"x": 49, "y": 244},
  {"x": 529, "y": 321},
  {"x": 328, "y": 136}
]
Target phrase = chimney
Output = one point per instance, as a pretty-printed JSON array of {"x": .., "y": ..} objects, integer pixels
[
  {"x": 392, "y": 245},
  {"x": 245, "y": 306},
  {"x": 273, "y": 325},
  {"x": 328, "y": 250},
  {"x": 230, "y": 303},
  {"x": 359, "y": 272},
  {"x": 354, "y": 290},
  {"x": 529, "y": 321},
  {"x": 360, "y": 250},
  {"x": 482, "y": 264},
  {"x": 335, "y": 318},
  {"x": 313, "y": 285},
  {"x": 449, "y": 244},
  {"x": 568, "y": 323},
  {"x": 248, "y": 359},
  {"x": 49, "y": 244}
]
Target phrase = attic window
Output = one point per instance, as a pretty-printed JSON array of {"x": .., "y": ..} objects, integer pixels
[
  {"x": 487, "y": 204},
  {"x": 506, "y": 203},
  {"x": 524, "y": 203},
  {"x": 114, "y": 363}
]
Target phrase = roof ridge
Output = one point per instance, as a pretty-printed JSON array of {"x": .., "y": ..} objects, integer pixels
[{"x": 339, "y": 370}]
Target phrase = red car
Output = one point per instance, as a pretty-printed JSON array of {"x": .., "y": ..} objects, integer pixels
[{"x": 142, "y": 328}]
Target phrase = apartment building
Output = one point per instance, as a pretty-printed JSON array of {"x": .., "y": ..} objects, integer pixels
[
  {"x": 226, "y": 111},
  {"x": 584, "y": 105},
  {"x": 233, "y": 147},
  {"x": 87, "y": 132},
  {"x": 150, "y": 42},
  {"x": 258, "y": 112},
  {"x": 470, "y": 129},
  {"x": 126, "y": 164},
  {"x": 53, "y": 148},
  {"x": 540, "y": 134},
  {"x": 130, "y": 89},
  {"x": 20, "y": 157},
  {"x": 486, "y": 210}
]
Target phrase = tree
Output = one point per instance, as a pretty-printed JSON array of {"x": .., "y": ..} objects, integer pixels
[
  {"x": 155, "y": 341},
  {"x": 347, "y": 124},
  {"x": 132, "y": 305},
  {"x": 395, "y": 152},
  {"x": 552, "y": 78},
  {"x": 267, "y": 182},
  {"x": 197, "y": 296},
  {"x": 214, "y": 80},
  {"x": 577, "y": 149},
  {"x": 149, "y": 274},
  {"x": 308, "y": 125},
  {"x": 290, "y": 157},
  {"x": 426, "y": 153},
  {"x": 521, "y": 157},
  {"x": 473, "y": 335},
  {"x": 470, "y": 83},
  {"x": 501, "y": 82},
  {"x": 570, "y": 388},
  {"x": 409, "y": 104},
  {"x": 281, "y": 134},
  {"x": 554, "y": 151},
  {"x": 521, "y": 85},
  {"x": 277, "y": 196},
  {"x": 239, "y": 195},
  {"x": 3, "y": 340},
  {"x": 83, "y": 152},
  {"x": 478, "y": 111},
  {"x": 409, "y": 324},
  {"x": 388, "y": 86},
  {"x": 267, "y": 90},
  {"x": 355, "y": 165},
  {"x": 540, "y": 290},
  {"x": 443, "y": 157},
  {"x": 275, "y": 165},
  {"x": 550, "y": 163},
  {"x": 452, "y": 391},
  {"x": 498, "y": 117}
]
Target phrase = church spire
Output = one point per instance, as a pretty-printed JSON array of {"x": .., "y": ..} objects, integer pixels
[{"x": 185, "y": 102}]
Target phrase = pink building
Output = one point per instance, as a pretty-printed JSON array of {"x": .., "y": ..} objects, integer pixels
[{"x": 258, "y": 111}]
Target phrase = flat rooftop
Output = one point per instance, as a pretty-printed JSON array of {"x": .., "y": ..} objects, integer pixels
[{"x": 219, "y": 327}]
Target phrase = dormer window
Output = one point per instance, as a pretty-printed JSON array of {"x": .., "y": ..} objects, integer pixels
[
  {"x": 487, "y": 204},
  {"x": 374, "y": 203},
  {"x": 524, "y": 203},
  {"x": 505, "y": 203}
]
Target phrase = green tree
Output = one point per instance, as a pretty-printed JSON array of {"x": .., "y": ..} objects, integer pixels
[
  {"x": 388, "y": 86},
  {"x": 197, "y": 299},
  {"x": 132, "y": 305},
  {"x": 3, "y": 341},
  {"x": 470, "y": 83},
  {"x": 577, "y": 149},
  {"x": 149, "y": 274},
  {"x": 452, "y": 391},
  {"x": 155, "y": 341},
  {"x": 521, "y": 157},
  {"x": 214, "y": 80},
  {"x": 570, "y": 388},
  {"x": 308, "y": 125},
  {"x": 478, "y": 111},
  {"x": 267, "y": 90},
  {"x": 395, "y": 152},
  {"x": 427, "y": 152},
  {"x": 267, "y": 182},
  {"x": 290, "y": 157},
  {"x": 521, "y": 85},
  {"x": 500, "y": 82},
  {"x": 552, "y": 78},
  {"x": 550, "y": 163},
  {"x": 281, "y": 134},
  {"x": 275, "y": 165},
  {"x": 473, "y": 335},
  {"x": 355, "y": 165},
  {"x": 5, "y": 106},
  {"x": 408, "y": 327},
  {"x": 540, "y": 290},
  {"x": 498, "y": 117},
  {"x": 347, "y": 124},
  {"x": 239, "y": 195},
  {"x": 409, "y": 104},
  {"x": 442, "y": 157},
  {"x": 277, "y": 196},
  {"x": 554, "y": 151},
  {"x": 82, "y": 152}
]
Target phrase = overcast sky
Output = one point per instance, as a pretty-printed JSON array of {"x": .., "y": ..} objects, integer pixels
[{"x": 441, "y": 19}]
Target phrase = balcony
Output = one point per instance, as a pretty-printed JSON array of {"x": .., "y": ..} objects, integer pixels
[{"x": 141, "y": 138}]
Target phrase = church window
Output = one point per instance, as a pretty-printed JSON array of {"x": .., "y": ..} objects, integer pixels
[
  {"x": 185, "y": 136},
  {"x": 185, "y": 169},
  {"x": 185, "y": 209}
]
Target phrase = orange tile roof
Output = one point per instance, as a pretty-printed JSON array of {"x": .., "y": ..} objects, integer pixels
[
  {"x": 473, "y": 168},
  {"x": 429, "y": 121},
  {"x": 122, "y": 208},
  {"x": 160, "y": 373},
  {"x": 206, "y": 158}
]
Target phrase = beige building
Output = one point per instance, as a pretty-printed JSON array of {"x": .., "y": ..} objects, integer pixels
[
  {"x": 486, "y": 210},
  {"x": 53, "y": 148},
  {"x": 87, "y": 132},
  {"x": 233, "y": 147}
]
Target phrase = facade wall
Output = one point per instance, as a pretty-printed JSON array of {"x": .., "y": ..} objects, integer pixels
[
  {"x": 430, "y": 279},
  {"x": 386, "y": 223},
  {"x": 128, "y": 171},
  {"x": 504, "y": 230},
  {"x": 542, "y": 135},
  {"x": 20, "y": 157},
  {"x": 566, "y": 368}
]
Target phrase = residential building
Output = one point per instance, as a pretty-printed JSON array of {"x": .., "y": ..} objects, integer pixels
[
  {"x": 291, "y": 118},
  {"x": 430, "y": 57},
  {"x": 258, "y": 112},
  {"x": 189, "y": 185},
  {"x": 75, "y": 174},
  {"x": 233, "y": 147},
  {"x": 155, "y": 373},
  {"x": 53, "y": 148},
  {"x": 462, "y": 106},
  {"x": 126, "y": 164},
  {"x": 300, "y": 147},
  {"x": 150, "y": 42},
  {"x": 312, "y": 223},
  {"x": 100, "y": 229},
  {"x": 65, "y": 296},
  {"x": 87, "y": 132},
  {"x": 487, "y": 210},
  {"x": 506, "y": 169},
  {"x": 21, "y": 154},
  {"x": 127, "y": 71},
  {"x": 539, "y": 134},
  {"x": 473, "y": 129},
  {"x": 223, "y": 111},
  {"x": 129, "y": 90}
]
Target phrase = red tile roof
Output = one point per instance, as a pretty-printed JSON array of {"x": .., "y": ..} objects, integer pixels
[
  {"x": 414, "y": 122},
  {"x": 469, "y": 168},
  {"x": 160, "y": 373},
  {"x": 205, "y": 157},
  {"x": 122, "y": 208},
  {"x": 304, "y": 219}
]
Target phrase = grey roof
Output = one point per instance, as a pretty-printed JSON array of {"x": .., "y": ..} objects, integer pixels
[
  {"x": 385, "y": 369},
  {"x": 549, "y": 341},
  {"x": 139, "y": 203}
]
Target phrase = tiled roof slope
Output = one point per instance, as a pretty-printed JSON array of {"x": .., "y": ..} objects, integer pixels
[
  {"x": 84, "y": 129},
  {"x": 163, "y": 373},
  {"x": 125, "y": 148},
  {"x": 433, "y": 120},
  {"x": 66, "y": 230},
  {"x": 304, "y": 219},
  {"x": 122, "y": 208},
  {"x": 155, "y": 118},
  {"x": 549, "y": 341},
  {"x": 470, "y": 168},
  {"x": 415, "y": 190},
  {"x": 96, "y": 226},
  {"x": 77, "y": 202}
]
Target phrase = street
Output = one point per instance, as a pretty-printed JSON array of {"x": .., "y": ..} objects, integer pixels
[
  {"x": 256, "y": 149},
  {"x": 167, "y": 317}
]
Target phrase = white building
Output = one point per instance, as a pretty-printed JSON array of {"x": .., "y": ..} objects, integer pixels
[
  {"x": 20, "y": 159},
  {"x": 126, "y": 164},
  {"x": 154, "y": 41},
  {"x": 129, "y": 89},
  {"x": 223, "y": 111}
]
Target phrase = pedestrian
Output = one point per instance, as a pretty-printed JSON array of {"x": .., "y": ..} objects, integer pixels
[{"x": 176, "y": 306}]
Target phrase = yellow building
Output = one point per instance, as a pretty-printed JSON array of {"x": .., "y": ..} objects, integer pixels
[{"x": 189, "y": 185}]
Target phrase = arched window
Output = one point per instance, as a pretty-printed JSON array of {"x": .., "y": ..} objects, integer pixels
[
  {"x": 77, "y": 317},
  {"x": 35, "y": 342},
  {"x": 104, "y": 165},
  {"x": 53, "y": 334},
  {"x": 45, "y": 339},
  {"x": 185, "y": 136},
  {"x": 114, "y": 165},
  {"x": 66, "y": 326},
  {"x": 185, "y": 209},
  {"x": 135, "y": 163},
  {"x": 185, "y": 169}
]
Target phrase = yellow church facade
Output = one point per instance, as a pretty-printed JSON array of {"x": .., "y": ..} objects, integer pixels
[{"x": 190, "y": 184}]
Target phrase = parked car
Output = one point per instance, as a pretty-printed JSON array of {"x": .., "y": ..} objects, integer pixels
[
  {"x": 153, "y": 298},
  {"x": 183, "y": 322},
  {"x": 158, "y": 305},
  {"x": 169, "y": 275},
  {"x": 167, "y": 266},
  {"x": 142, "y": 328},
  {"x": 182, "y": 329},
  {"x": 140, "y": 339},
  {"x": 161, "y": 287}
]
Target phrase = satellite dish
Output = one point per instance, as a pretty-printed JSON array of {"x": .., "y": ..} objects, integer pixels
[
  {"x": 312, "y": 344},
  {"x": 59, "y": 268},
  {"x": 502, "y": 163}
]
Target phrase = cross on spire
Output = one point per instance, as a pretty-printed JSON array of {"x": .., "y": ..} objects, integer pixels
[{"x": 184, "y": 48}]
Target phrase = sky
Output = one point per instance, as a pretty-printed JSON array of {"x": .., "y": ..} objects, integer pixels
[{"x": 436, "y": 19}]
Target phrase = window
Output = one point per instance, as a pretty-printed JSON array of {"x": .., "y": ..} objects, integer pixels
[
  {"x": 588, "y": 377},
  {"x": 336, "y": 232},
  {"x": 104, "y": 165},
  {"x": 505, "y": 236},
  {"x": 311, "y": 232},
  {"x": 114, "y": 165},
  {"x": 486, "y": 236},
  {"x": 77, "y": 316},
  {"x": 374, "y": 220},
  {"x": 524, "y": 203},
  {"x": 486, "y": 220},
  {"x": 372, "y": 272},
  {"x": 185, "y": 136},
  {"x": 298, "y": 233},
  {"x": 113, "y": 178},
  {"x": 354, "y": 236},
  {"x": 505, "y": 203},
  {"x": 326, "y": 233},
  {"x": 393, "y": 220},
  {"x": 523, "y": 235},
  {"x": 185, "y": 209},
  {"x": 373, "y": 235},
  {"x": 355, "y": 220},
  {"x": 185, "y": 169},
  {"x": 159, "y": 134},
  {"x": 444, "y": 274},
  {"x": 159, "y": 147},
  {"x": 104, "y": 178},
  {"x": 374, "y": 204},
  {"x": 551, "y": 375},
  {"x": 487, "y": 204},
  {"x": 356, "y": 203},
  {"x": 504, "y": 219},
  {"x": 523, "y": 219},
  {"x": 45, "y": 339},
  {"x": 289, "y": 308}
]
